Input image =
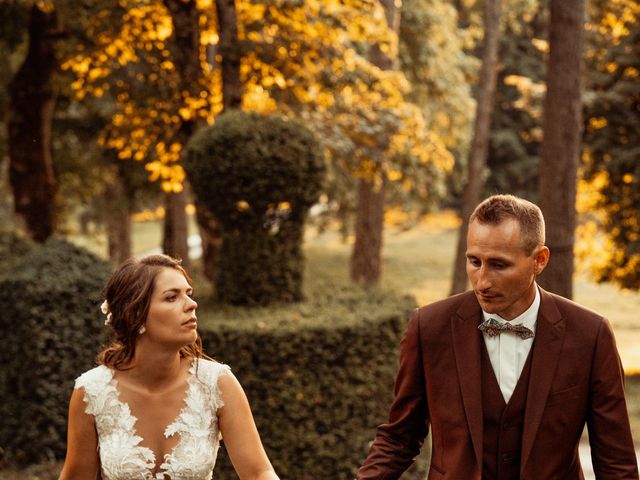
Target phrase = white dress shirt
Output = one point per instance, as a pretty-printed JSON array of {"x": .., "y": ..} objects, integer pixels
[{"x": 508, "y": 352}]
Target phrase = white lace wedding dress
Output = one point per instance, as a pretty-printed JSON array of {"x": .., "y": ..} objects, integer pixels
[{"x": 121, "y": 456}]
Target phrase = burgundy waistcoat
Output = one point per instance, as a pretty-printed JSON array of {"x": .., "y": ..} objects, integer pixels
[{"x": 502, "y": 423}]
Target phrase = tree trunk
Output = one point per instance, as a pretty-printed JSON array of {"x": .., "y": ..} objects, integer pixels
[
  {"x": 186, "y": 45},
  {"x": 210, "y": 231},
  {"x": 463, "y": 14},
  {"x": 211, "y": 237},
  {"x": 366, "y": 258},
  {"x": 230, "y": 53},
  {"x": 185, "y": 42},
  {"x": 176, "y": 230},
  {"x": 481, "y": 135},
  {"x": 32, "y": 104},
  {"x": 561, "y": 144},
  {"x": 118, "y": 221}
]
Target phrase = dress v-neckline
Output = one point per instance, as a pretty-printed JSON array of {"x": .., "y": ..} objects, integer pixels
[{"x": 157, "y": 472}]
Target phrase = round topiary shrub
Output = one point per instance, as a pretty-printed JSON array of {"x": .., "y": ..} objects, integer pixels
[
  {"x": 258, "y": 175},
  {"x": 51, "y": 329}
]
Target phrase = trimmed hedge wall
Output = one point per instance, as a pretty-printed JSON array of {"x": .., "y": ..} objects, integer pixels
[
  {"x": 51, "y": 328},
  {"x": 318, "y": 382}
]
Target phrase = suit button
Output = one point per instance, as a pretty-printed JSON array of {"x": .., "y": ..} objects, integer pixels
[
  {"x": 511, "y": 425},
  {"x": 508, "y": 457}
]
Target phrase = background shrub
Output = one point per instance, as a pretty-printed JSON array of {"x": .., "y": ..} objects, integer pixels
[
  {"x": 12, "y": 248},
  {"x": 258, "y": 175},
  {"x": 51, "y": 328},
  {"x": 319, "y": 376}
]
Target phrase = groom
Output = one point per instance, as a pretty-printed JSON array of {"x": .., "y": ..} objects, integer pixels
[{"x": 506, "y": 376}]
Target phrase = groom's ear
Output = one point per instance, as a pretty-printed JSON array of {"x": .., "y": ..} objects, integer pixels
[{"x": 541, "y": 258}]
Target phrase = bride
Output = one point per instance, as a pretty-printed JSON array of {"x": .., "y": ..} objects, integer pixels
[{"x": 156, "y": 407}]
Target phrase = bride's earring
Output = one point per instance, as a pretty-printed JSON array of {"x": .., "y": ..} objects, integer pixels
[{"x": 142, "y": 330}]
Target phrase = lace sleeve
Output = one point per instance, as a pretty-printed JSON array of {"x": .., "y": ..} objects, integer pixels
[
  {"x": 210, "y": 372},
  {"x": 93, "y": 382}
]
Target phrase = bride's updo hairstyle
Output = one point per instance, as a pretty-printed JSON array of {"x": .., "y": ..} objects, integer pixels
[{"x": 128, "y": 293}]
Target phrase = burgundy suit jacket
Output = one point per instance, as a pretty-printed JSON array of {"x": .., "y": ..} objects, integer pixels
[{"x": 576, "y": 378}]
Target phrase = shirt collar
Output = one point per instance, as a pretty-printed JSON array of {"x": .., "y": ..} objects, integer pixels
[{"x": 527, "y": 318}]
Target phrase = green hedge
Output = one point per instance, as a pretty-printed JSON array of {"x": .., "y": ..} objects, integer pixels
[
  {"x": 51, "y": 328},
  {"x": 258, "y": 175},
  {"x": 318, "y": 374},
  {"x": 12, "y": 248},
  {"x": 319, "y": 377}
]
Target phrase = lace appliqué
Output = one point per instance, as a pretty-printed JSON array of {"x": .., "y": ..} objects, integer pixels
[{"x": 121, "y": 455}]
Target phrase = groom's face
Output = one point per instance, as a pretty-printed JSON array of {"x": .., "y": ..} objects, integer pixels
[{"x": 501, "y": 272}]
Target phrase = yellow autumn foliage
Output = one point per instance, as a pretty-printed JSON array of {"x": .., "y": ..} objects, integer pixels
[{"x": 314, "y": 69}]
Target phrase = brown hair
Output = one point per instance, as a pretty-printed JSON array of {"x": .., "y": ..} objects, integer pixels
[
  {"x": 498, "y": 208},
  {"x": 128, "y": 293}
]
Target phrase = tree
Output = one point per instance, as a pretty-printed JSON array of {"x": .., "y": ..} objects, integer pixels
[
  {"x": 434, "y": 60},
  {"x": 358, "y": 109},
  {"x": 12, "y": 51},
  {"x": 32, "y": 103},
  {"x": 366, "y": 257},
  {"x": 229, "y": 52},
  {"x": 516, "y": 128},
  {"x": 118, "y": 210},
  {"x": 184, "y": 44},
  {"x": 480, "y": 143},
  {"x": 304, "y": 60},
  {"x": 81, "y": 171},
  {"x": 561, "y": 143},
  {"x": 94, "y": 186},
  {"x": 611, "y": 172}
]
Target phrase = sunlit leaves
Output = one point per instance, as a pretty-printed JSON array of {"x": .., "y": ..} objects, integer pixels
[
  {"x": 433, "y": 58},
  {"x": 306, "y": 59},
  {"x": 612, "y": 141},
  {"x": 134, "y": 66}
]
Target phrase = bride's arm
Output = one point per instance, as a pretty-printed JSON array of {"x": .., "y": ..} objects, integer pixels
[
  {"x": 240, "y": 434},
  {"x": 82, "y": 460}
]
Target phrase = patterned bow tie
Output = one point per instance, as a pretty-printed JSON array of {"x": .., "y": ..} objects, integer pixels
[{"x": 493, "y": 327}]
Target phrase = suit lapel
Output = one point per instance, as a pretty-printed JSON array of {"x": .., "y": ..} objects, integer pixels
[
  {"x": 547, "y": 346},
  {"x": 466, "y": 346}
]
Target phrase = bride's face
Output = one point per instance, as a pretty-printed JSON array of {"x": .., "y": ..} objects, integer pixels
[{"x": 172, "y": 311}]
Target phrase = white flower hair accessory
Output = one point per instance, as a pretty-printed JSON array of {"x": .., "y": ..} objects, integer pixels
[{"x": 104, "y": 308}]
